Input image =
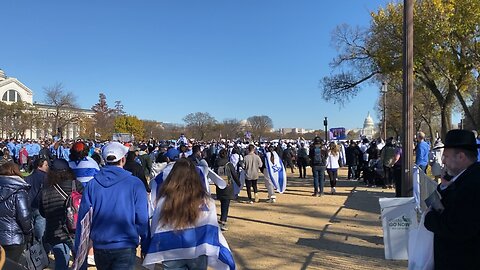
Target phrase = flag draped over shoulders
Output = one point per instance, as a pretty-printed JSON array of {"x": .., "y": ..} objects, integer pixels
[
  {"x": 276, "y": 172},
  {"x": 205, "y": 238}
]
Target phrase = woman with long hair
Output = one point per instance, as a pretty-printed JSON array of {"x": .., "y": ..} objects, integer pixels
[
  {"x": 16, "y": 221},
  {"x": 185, "y": 231},
  {"x": 332, "y": 166},
  {"x": 61, "y": 182}
]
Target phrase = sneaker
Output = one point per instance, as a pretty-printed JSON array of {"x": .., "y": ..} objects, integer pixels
[
  {"x": 250, "y": 202},
  {"x": 91, "y": 260},
  {"x": 256, "y": 197},
  {"x": 315, "y": 194},
  {"x": 271, "y": 200},
  {"x": 333, "y": 190},
  {"x": 223, "y": 226}
]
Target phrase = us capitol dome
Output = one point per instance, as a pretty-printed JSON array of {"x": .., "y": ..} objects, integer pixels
[{"x": 368, "y": 130}]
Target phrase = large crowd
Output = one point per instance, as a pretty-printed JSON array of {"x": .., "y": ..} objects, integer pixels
[{"x": 149, "y": 193}]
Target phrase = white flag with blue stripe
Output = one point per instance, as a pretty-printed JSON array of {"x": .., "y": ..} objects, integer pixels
[
  {"x": 205, "y": 238},
  {"x": 206, "y": 174},
  {"x": 276, "y": 171}
]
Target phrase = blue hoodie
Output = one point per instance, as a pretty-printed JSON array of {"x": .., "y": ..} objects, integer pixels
[{"x": 120, "y": 211}]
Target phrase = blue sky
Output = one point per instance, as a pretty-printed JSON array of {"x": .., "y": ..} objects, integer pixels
[{"x": 165, "y": 59}]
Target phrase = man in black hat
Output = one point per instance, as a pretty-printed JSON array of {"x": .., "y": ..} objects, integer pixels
[{"x": 457, "y": 228}]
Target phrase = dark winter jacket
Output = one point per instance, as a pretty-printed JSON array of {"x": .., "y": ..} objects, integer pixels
[
  {"x": 352, "y": 154},
  {"x": 37, "y": 180},
  {"x": 456, "y": 230},
  {"x": 138, "y": 171},
  {"x": 15, "y": 215},
  {"x": 146, "y": 163},
  {"x": 52, "y": 208},
  {"x": 232, "y": 178}
]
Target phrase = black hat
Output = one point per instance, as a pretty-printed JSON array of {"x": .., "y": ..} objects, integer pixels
[{"x": 460, "y": 138}]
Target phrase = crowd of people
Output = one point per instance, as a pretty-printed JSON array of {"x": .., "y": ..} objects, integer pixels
[{"x": 155, "y": 193}]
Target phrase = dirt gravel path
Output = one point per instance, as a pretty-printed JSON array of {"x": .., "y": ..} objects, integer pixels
[{"x": 341, "y": 231}]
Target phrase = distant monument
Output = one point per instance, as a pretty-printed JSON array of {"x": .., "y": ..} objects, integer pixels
[{"x": 368, "y": 130}]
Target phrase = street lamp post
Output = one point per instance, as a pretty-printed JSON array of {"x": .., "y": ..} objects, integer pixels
[
  {"x": 384, "y": 92},
  {"x": 325, "y": 123}
]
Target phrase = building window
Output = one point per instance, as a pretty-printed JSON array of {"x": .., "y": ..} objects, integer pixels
[{"x": 11, "y": 96}]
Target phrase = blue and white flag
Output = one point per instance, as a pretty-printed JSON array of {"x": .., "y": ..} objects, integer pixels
[
  {"x": 276, "y": 172},
  {"x": 237, "y": 189},
  {"x": 84, "y": 169},
  {"x": 206, "y": 175},
  {"x": 205, "y": 238}
]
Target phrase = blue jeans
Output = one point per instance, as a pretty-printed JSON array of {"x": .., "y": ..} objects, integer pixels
[
  {"x": 199, "y": 263},
  {"x": 115, "y": 259},
  {"x": 62, "y": 255},
  {"x": 39, "y": 224},
  {"x": 318, "y": 179},
  {"x": 224, "y": 205}
]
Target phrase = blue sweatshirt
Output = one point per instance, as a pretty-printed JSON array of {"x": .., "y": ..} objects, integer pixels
[{"x": 120, "y": 211}]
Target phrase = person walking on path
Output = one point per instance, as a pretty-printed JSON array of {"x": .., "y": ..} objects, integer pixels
[
  {"x": 185, "y": 232},
  {"x": 227, "y": 171},
  {"x": 302, "y": 157},
  {"x": 318, "y": 162},
  {"x": 332, "y": 166},
  {"x": 253, "y": 163},
  {"x": 120, "y": 212},
  {"x": 61, "y": 181}
]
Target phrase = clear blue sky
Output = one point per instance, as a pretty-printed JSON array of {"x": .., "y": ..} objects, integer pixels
[{"x": 165, "y": 59}]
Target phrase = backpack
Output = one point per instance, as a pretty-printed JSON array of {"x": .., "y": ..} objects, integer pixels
[
  {"x": 71, "y": 206},
  {"x": 318, "y": 159},
  {"x": 223, "y": 173}
]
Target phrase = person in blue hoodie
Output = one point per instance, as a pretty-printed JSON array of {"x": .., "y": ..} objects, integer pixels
[{"x": 120, "y": 212}]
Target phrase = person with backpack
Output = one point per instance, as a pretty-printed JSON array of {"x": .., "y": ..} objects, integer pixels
[
  {"x": 54, "y": 206},
  {"x": 317, "y": 162},
  {"x": 227, "y": 171}
]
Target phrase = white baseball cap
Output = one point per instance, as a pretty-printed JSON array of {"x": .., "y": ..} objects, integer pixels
[{"x": 114, "y": 149}]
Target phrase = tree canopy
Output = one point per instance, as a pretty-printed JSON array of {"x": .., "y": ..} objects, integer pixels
[{"x": 446, "y": 54}]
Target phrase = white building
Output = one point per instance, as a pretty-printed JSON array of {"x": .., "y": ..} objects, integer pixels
[
  {"x": 368, "y": 130},
  {"x": 12, "y": 90},
  {"x": 295, "y": 130}
]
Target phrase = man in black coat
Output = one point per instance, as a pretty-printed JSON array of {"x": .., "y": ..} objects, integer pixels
[{"x": 457, "y": 228}]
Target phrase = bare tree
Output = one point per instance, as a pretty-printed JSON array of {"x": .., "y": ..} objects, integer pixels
[
  {"x": 64, "y": 104},
  {"x": 231, "y": 128},
  {"x": 260, "y": 125},
  {"x": 199, "y": 124}
]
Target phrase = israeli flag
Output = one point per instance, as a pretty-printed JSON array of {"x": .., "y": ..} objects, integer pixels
[
  {"x": 205, "y": 238},
  {"x": 276, "y": 172},
  {"x": 207, "y": 176}
]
